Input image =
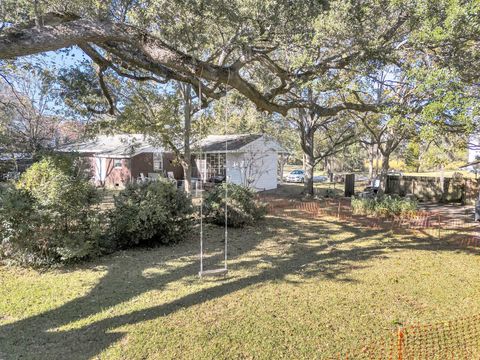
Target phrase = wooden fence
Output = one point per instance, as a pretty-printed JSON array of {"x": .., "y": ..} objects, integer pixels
[{"x": 452, "y": 189}]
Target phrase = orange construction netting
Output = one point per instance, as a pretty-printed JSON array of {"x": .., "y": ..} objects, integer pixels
[
  {"x": 455, "y": 231},
  {"x": 457, "y": 339}
]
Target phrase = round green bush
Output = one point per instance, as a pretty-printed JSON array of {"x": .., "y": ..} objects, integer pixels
[
  {"x": 243, "y": 208},
  {"x": 50, "y": 216},
  {"x": 20, "y": 222},
  {"x": 150, "y": 213}
]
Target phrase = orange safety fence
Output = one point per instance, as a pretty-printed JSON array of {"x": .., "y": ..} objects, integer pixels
[
  {"x": 341, "y": 209},
  {"x": 455, "y": 231},
  {"x": 456, "y": 339}
]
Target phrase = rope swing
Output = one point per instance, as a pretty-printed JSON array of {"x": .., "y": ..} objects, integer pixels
[{"x": 219, "y": 271}]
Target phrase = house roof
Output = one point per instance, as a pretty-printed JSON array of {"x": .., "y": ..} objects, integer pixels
[
  {"x": 218, "y": 143},
  {"x": 129, "y": 145},
  {"x": 114, "y": 146},
  {"x": 234, "y": 143}
]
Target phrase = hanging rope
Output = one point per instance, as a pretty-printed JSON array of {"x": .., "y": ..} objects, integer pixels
[
  {"x": 203, "y": 163},
  {"x": 201, "y": 174},
  {"x": 225, "y": 115}
]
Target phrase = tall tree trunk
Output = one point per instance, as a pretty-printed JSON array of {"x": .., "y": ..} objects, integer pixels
[
  {"x": 371, "y": 159},
  {"x": 309, "y": 162},
  {"x": 442, "y": 183},
  {"x": 187, "y": 155},
  {"x": 38, "y": 22},
  {"x": 281, "y": 164},
  {"x": 384, "y": 172},
  {"x": 309, "y": 165},
  {"x": 329, "y": 170},
  {"x": 377, "y": 161}
]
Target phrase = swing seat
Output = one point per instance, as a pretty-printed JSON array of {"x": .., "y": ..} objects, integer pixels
[{"x": 212, "y": 273}]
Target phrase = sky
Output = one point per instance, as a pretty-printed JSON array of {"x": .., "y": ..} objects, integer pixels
[{"x": 54, "y": 61}]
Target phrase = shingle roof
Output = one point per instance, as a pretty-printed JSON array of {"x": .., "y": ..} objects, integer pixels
[
  {"x": 129, "y": 145},
  {"x": 216, "y": 143},
  {"x": 115, "y": 146}
]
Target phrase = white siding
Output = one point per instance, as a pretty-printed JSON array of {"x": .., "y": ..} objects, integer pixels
[
  {"x": 255, "y": 167},
  {"x": 474, "y": 148},
  {"x": 234, "y": 168}
]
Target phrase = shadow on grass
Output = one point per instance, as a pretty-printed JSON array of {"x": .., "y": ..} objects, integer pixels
[{"x": 306, "y": 254}]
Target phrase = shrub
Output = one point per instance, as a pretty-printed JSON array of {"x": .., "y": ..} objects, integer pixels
[
  {"x": 243, "y": 209},
  {"x": 50, "y": 217},
  {"x": 150, "y": 213},
  {"x": 384, "y": 206},
  {"x": 20, "y": 222}
]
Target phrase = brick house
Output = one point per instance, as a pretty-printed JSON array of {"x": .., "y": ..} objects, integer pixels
[
  {"x": 115, "y": 160},
  {"x": 247, "y": 159}
]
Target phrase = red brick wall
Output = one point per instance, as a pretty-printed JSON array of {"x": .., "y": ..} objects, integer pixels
[
  {"x": 170, "y": 165},
  {"x": 132, "y": 168},
  {"x": 142, "y": 163},
  {"x": 118, "y": 177}
]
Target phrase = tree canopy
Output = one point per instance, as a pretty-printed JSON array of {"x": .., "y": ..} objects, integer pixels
[
  {"x": 411, "y": 66},
  {"x": 269, "y": 51}
]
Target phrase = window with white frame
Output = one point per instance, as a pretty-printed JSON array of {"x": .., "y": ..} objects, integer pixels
[
  {"x": 117, "y": 163},
  {"x": 215, "y": 164},
  {"x": 157, "y": 162}
]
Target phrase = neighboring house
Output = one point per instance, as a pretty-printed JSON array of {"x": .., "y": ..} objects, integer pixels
[
  {"x": 250, "y": 160},
  {"x": 115, "y": 160}
]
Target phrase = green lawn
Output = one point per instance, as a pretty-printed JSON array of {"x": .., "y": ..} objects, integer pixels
[{"x": 296, "y": 289}]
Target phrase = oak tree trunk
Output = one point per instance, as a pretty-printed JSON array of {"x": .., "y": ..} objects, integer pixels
[
  {"x": 371, "y": 160},
  {"x": 309, "y": 166},
  {"x": 384, "y": 173},
  {"x": 309, "y": 161}
]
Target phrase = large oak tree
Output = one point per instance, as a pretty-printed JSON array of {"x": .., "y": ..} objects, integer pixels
[{"x": 270, "y": 51}]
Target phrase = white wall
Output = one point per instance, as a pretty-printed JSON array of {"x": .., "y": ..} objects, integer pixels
[
  {"x": 474, "y": 148},
  {"x": 256, "y": 167}
]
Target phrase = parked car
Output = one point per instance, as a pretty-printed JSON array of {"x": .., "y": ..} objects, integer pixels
[
  {"x": 296, "y": 176},
  {"x": 320, "y": 178},
  {"x": 359, "y": 177}
]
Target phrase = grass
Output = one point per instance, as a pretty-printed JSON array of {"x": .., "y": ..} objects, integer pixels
[{"x": 296, "y": 289}]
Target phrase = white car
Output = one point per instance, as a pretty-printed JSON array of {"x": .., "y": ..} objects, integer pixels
[
  {"x": 361, "y": 178},
  {"x": 319, "y": 178},
  {"x": 296, "y": 176}
]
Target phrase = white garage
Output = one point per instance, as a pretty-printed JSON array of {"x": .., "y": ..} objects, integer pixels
[{"x": 245, "y": 159}]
